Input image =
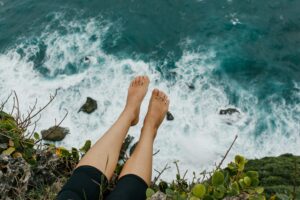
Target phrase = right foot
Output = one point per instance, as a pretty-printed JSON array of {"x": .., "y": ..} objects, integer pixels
[
  {"x": 157, "y": 110},
  {"x": 136, "y": 93}
]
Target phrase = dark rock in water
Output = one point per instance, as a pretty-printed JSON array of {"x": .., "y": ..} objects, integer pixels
[
  {"x": 55, "y": 133},
  {"x": 228, "y": 111},
  {"x": 89, "y": 106},
  {"x": 86, "y": 59},
  {"x": 170, "y": 117},
  {"x": 191, "y": 86}
]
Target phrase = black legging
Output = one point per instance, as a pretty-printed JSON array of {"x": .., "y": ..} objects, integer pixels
[{"x": 87, "y": 182}]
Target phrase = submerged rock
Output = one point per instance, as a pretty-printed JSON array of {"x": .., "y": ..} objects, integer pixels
[
  {"x": 89, "y": 106},
  {"x": 170, "y": 117},
  {"x": 55, "y": 133},
  {"x": 86, "y": 59},
  {"x": 228, "y": 111},
  {"x": 191, "y": 86}
]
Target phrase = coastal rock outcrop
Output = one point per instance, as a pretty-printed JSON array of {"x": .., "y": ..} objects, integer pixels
[
  {"x": 170, "y": 117},
  {"x": 55, "y": 133},
  {"x": 89, "y": 106},
  {"x": 14, "y": 175},
  {"x": 228, "y": 111}
]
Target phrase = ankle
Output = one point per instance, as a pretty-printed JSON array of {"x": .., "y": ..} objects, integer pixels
[
  {"x": 150, "y": 128},
  {"x": 129, "y": 113}
]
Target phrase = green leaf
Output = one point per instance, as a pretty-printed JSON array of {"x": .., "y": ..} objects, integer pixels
[
  {"x": 257, "y": 197},
  {"x": 149, "y": 192},
  {"x": 235, "y": 188},
  {"x": 199, "y": 190},
  {"x": 75, "y": 154},
  {"x": 255, "y": 182},
  {"x": 235, "y": 185},
  {"x": 62, "y": 152},
  {"x": 28, "y": 152},
  {"x": 252, "y": 174},
  {"x": 8, "y": 125},
  {"x": 86, "y": 146},
  {"x": 9, "y": 151},
  {"x": 247, "y": 181},
  {"x": 219, "y": 192},
  {"x": 194, "y": 198},
  {"x": 242, "y": 184},
  {"x": 240, "y": 161},
  {"x": 232, "y": 166},
  {"x": 259, "y": 190},
  {"x": 169, "y": 192},
  {"x": 208, "y": 197},
  {"x": 36, "y": 136},
  {"x": 217, "y": 178},
  {"x": 28, "y": 143}
]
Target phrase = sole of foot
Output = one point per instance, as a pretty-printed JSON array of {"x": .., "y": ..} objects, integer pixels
[
  {"x": 136, "y": 92},
  {"x": 157, "y": 110}
]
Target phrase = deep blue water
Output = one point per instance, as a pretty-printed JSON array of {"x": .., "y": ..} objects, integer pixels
[
  {"x": 255, "y": 44},
  {"x": 262, "y": 51}
]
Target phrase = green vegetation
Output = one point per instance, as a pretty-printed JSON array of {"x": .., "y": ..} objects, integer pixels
[
  {"x": 232, "y": 181},
  {"x": 279, "y": 175}
]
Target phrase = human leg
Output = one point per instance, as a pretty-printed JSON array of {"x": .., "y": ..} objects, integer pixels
[
  {"x": 140, "y": 163},
  {"x": 105, "y": 152}
]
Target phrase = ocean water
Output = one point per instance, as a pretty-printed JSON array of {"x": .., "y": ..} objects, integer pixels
[{"x": 206, "y": 54}]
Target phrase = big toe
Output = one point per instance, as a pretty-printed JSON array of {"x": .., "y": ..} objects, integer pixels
[{"x": 155, "y": 93}]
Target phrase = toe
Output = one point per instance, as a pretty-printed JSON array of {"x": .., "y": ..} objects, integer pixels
[
  {"x": 162, "y": 95},
  {"x": 167, "y": 102},
  {"x": 146, "y": 79},
  {"x": 141, "y": 80},
  {"x": 165, "y": 97},
  {"x": 155, "y": 92},
  {"x": 136, "y": 81}
]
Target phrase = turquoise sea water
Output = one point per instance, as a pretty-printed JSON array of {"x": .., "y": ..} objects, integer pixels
[{"x": 206, "y": 54}]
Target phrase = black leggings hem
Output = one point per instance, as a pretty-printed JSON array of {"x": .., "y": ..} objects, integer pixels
[{"x": 89, "y": 183}]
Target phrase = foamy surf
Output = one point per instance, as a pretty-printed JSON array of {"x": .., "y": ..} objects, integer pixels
[{"x": 198, "y": 136}]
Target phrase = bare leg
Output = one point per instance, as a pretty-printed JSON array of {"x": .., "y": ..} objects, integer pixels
[
  {"x": 140, "y": 163},
  {"x": 105, "y": 152}
]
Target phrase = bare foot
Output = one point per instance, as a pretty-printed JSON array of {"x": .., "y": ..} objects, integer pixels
[
  {"x": 158, "y": 107},
  {"x": 136, "y": 93}
]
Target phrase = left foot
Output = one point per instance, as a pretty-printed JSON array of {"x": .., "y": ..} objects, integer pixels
[{"x": 136, "y": 93}]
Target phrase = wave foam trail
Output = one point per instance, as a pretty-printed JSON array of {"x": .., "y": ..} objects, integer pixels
[{"x": 198, "y": 136}]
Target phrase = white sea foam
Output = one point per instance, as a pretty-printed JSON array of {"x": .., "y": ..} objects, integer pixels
[{"x": 198, "y": 136}]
